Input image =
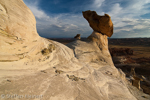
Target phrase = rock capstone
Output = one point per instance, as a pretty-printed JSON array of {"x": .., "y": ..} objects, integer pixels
[{"x": 101, "y": 24}]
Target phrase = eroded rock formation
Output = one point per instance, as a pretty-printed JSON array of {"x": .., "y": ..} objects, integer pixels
[
  {"x": 17, "y": 22},
  {"x": 53, "y": 71},
  {"x": 101, "y": 41},
  {"x": 101, "y": 24},
  {"x": 17, "y": 30},
  {"x": 77, "y": 36}
]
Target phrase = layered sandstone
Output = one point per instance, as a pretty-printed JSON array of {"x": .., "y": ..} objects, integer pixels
[
  {"x": 17, "y": 20},
  {"x": 48, "y": 70},
  {"x": 17, "y": 27}
]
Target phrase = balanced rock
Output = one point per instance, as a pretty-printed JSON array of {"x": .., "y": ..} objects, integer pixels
[
  {"x": 77, "y": 36},
  {"x": 101, "y": 24}
]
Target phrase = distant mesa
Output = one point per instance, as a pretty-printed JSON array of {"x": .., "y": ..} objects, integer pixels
[
  {"x": 120, "y": 51},
  {"x": 101, "y": 24},
  {"x": 78, "y": 36}
]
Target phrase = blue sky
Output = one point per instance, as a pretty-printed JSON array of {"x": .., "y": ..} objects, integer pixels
[{"x": 63, "y": 18}]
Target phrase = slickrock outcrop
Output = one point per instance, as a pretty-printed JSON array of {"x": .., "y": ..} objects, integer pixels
[
  {"x": 101, "y": 24},
  {"x": 16, "y": 20},
  {"x": 17, "y": 27},
  {"x": 47, "y": 70}
]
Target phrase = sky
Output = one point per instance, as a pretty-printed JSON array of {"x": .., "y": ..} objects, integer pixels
[{"x": 63, "y": 18}]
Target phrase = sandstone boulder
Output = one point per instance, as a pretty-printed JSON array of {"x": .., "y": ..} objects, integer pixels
[{"x": 101, "y": 24}]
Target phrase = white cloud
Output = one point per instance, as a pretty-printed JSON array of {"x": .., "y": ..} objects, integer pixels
[
  {"x": 38, "y": 13},
  {"x": 59, "y": 24},
  {"x": 98, "y": 3},
  {"x": 133, "y": 28},
  {"x": 139, "y": 27},
  {"x": 126, "y": 18},
  {"x": 116, "y": 10}
]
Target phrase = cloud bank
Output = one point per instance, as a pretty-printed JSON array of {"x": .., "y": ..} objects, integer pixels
[{"x": 130, "y": 17}]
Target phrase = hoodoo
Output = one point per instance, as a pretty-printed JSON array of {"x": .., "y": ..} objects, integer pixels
[{"x": 78, "y": 36}]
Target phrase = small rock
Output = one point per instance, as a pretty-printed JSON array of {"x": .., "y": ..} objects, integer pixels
[
  {"x": 59, "y": 71},
  {"x": 144, "y": 96},
  {"x": 77, "y": 36},
  {"x": 109, "y": 73},
  {"x": 9, "y": 80},
  {"x": 43, "y": 71}
]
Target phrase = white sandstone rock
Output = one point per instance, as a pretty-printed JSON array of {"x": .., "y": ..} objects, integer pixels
[{"x": 84, "y": 71}]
